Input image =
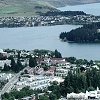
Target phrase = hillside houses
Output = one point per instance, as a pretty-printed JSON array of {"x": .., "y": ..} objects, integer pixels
[{"x": 35, "y": 82}]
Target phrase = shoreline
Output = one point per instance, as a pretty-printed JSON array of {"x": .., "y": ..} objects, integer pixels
[{"x": 77, "y": 4}]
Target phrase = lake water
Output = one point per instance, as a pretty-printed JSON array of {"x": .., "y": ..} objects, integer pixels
[
  {"x": 93, "y": 9},
  {"x": 47, "y": 37}
]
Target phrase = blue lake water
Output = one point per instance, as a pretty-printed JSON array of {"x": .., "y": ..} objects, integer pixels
[
  {"x": 47, "y": 37},
  {"x": 93, "y": 9}
]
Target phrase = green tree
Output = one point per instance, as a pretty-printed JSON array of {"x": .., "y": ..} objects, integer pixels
[
  {"x": 26, "y": 71},
  {"x": 19, "y": 55},
  {"x": 19, "y": 64},
  {"x": 13, "y": 64},
  {"x": 57, "y": 54},
  {"x": 32, "y": 61},
  {"x": 6, "y": 67},
  {"x": 5, "y": 95},
  {"x": 44, "y": 97},
  {"x": 52, "y": 96}
]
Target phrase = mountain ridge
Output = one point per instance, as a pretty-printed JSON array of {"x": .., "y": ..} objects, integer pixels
[
  {"x": 34, "y": 7},
  {"x": 59, "y": 3},
  {"x": 23, "y": 7}
]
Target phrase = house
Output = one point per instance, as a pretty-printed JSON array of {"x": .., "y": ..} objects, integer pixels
[
  {"x": 57, "y": 79},
  {"x": 3, "y": 55},
  {"x": 61, "y": 72},
  {"x": 62, "y": 69},
  {"x": 75, "y": 96},
  {"x": 4, "y": 76},
  {"x": 94, "y": 95},
  {"x": 34, "y": 82},
  {"x": 50, "y": 71},
  {"x": 55, "y": 61}
]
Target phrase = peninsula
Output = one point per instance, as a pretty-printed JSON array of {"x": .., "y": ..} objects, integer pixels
[{"x": 89, "y": 33}]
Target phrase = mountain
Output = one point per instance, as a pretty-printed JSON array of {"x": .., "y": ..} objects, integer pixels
[
  {"x": 59, "y": 3},
  {"x": 34, "y": 7}
]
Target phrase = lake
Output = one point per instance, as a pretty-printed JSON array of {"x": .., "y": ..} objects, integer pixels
[
  {"x": 47, "y": 37},
  {"x": 93, "y": 9}
]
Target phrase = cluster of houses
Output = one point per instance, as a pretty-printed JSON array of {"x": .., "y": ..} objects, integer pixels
[
  {"x": 35, "y": 82},
  {"x": 94, "y": 95},
  {"x": 5, "y": 76},
  {"x": 48, "y": 70},
  {"x": 38, "y": 78},
  {"x": 46, "y": 20}
]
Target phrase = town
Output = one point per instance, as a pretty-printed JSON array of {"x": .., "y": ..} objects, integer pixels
[
  {"x": 49, "y": 20},
  {"x": 39, "y": 70}
]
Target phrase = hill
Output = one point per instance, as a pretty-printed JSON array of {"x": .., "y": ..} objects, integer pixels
[
  {"x": 89, "y": 33},
  {"x": 59, "y": 3},
  {"x": 23, "y": 7},
  {"x": 34, "y": 7}
]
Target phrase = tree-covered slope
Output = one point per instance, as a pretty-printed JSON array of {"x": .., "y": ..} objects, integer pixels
[{"x": 87, "y": 33}]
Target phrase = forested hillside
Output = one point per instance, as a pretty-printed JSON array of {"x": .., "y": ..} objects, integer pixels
[{"x": 88, "y": 33}]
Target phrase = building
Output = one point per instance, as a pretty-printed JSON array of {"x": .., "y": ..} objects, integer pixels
[
  {"x": 34, "y": 82},
  {"x": 62, "y": 69},
  {"x": 3, "y": 55},
  {"x": 94, "y": 95},
  {"x": 3, "y": 62},
  {"x": 50, "y": 71},
  {"x": 61, "y": 72},
  {"x": 4, "y": 76}
]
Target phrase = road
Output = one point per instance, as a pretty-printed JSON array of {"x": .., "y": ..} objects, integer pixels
[{"x": 12, "y": 81}]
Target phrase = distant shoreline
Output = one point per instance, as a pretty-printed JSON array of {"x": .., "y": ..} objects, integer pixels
[{"x": 79, "y": 4}]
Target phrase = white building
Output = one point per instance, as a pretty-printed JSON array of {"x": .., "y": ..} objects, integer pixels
[
  {"x": 85, "y": 96},
  {"x": 62, "y": 69},
  {"x": 4, "y": 76},
  {"x": 61, "y": 72},
  {"x": 37, "y": 82},
  {"x": 2, "y": 62}
]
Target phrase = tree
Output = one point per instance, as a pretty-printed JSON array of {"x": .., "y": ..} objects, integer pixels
[
  {"x": 13, "y": 64},
  {"x": 18, "y": 54},
  {"x": 26, "y": 71},
  {"x": 57, "y": 54},
  {"x": 32, "y": 61},
  {"x": 5, "y": 95},
  {"x": 14, "y": 94},
  {"x": 72, "y": 60},
  {"x": 55, "y": 88},
  {"x": 44, "y": 97},
  {"x": 19, "y": 64},
  {"x": 6, "y": 67},
  {"x": 52, "y": 96},
  {"x": 91, "y": 88},
  {"x": 16, "y": 67}
]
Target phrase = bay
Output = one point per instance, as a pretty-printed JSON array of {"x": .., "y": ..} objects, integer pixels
[
  {"x": 47, "y": 37},
  {"x": 93, "y": 8}
]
